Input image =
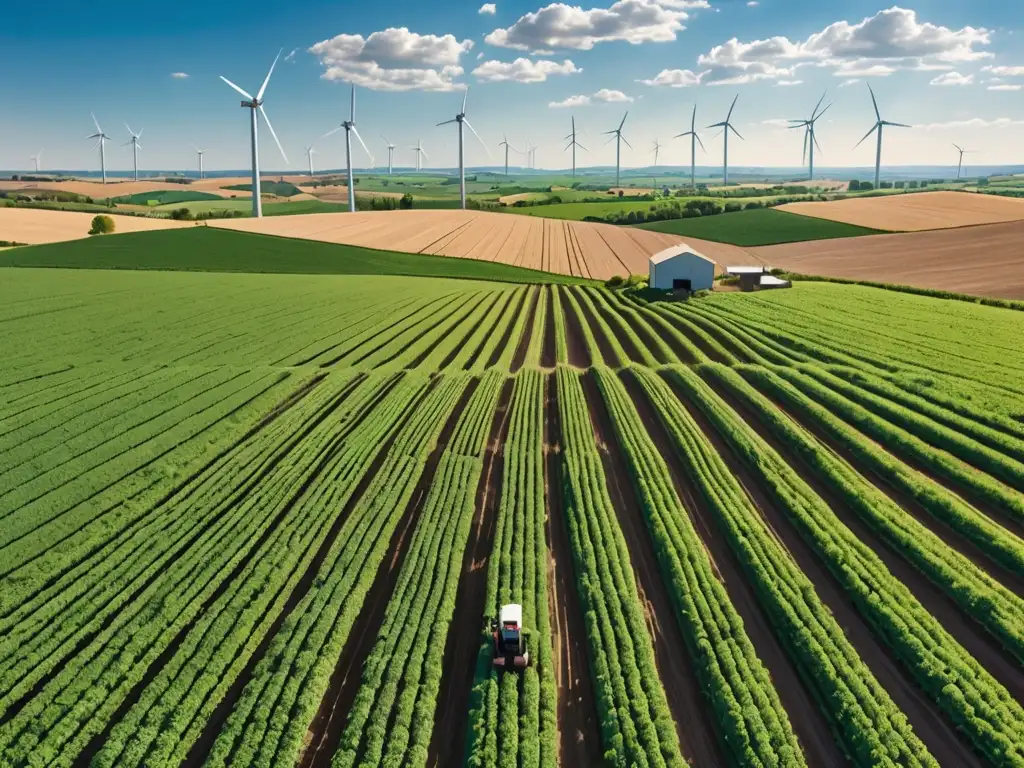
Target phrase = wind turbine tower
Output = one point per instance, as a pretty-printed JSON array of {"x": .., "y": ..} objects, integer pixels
[
  {"x": 573, "y": 143},
  {"x": 461, "y": 120},
  {"x": 200, "y": 152},
  {"x": 101, "y": 142},
  {"x": 254, "y": 104},
  {"x": 959, "y": 164},
  {"x": 134, "y": 142},
  {"x": 309, "y": 155},
  {"x": 726, "y": 126},
  {"x": 419, "y": 150},
  {"x": 618, "y": 138},
  {"x": 810, "y": 139},
  {"x": 878, "y": 127},
  {"x": 694, "y": 141},
  {"x": 36, "y": 158},
  {"x": 391, "y": 152},
  {"x": 350, "y": 128},
  {"x": 504, "y": 143}
]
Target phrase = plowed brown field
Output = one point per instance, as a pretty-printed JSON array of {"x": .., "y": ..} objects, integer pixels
[
  {"x": 567, "y": 247},
  {"x": 34, "y": 226},
  {"x": 915, "y": 212}
]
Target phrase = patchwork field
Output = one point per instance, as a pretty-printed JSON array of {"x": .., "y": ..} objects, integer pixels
[
  {"x": 569, "y": 248},
  {"x": 915, "y": 212},
  {"x": 32, "y": 226},
  {"x": 259, "y": 520}
]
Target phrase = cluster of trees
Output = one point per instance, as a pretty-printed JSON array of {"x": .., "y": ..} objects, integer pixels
[
  {"x": 867, "y": 186},
  {"x": 693, "y": 209}
]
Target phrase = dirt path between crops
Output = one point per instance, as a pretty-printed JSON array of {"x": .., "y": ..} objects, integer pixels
[
  {"x": 690, "y": 709},
  {"x": 579, "y": 733},
  {"x": 523, "y": 343},
  {"x": 961, "y": 625},
  {"x": 329, "y": 722},
  {"x": 548, "y": 354},
  {"x": 930, "y": 725},
  {"x": 575, "y": 341},
  {"x": 808, "y": 721},
  {"x": 451, "y": 721},
  {"x": 604, "y": 344}
]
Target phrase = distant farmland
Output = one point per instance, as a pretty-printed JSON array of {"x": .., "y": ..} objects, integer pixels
[{"x": 260, "y": 520}]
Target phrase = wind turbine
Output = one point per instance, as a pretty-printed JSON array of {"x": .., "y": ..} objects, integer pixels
[
  {"x": 504, "y": 143},
  {"x": 573, "y": 143},
  {"x": 460, "y": 118},
  {"x": 254, "y": 104},
  {"x": 101, "y": 140},
  {"x": 726, "y": 126},
  {"x": 618, "y": 138},
  {"x": 199, "y": 152},
  {"x": 530, "y": 150},
  {"x": 694, "y": 141},
  {"x": 134, "y": 141},
  {"x": 350, "y": 128},
  {"x": 878, "y": 127},
  {"x": 309, "y": 155},
  {"x": 36, "y": 158},
  {"x": 391, "y": 152},
  {"x": 809, "y": 137},
  {"x": 959, "y": 164},
  {"x": 419, "y": 150},
  {"x": 657, "y": 148}
]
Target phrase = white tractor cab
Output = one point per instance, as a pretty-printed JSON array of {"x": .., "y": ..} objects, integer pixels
[{"x": 510, "y": 650}]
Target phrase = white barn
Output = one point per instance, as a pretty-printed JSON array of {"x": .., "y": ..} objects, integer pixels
[{"x": 680, "y": 268}]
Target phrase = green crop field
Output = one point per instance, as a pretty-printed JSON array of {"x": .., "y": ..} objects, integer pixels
[
  {"x": 167, "y": 197},
  {"x": 263, "y": 519},
  {"x": 764, "y": 226},
  {"x": 279, "y": 188}
]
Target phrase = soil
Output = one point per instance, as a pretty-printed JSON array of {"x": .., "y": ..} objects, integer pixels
[
  {"x": 329, "y": 722},
  {"x": 524, "y": 341},
  {"x": 690, "y": 711},
  {"x": 939, "y": 735},
  {"x": 809, "y": 722},
  {"x": 36, "y": 225},
  {"x": 579, "y": 732},
  {"x": 548, "y": 357},
  {"x": 448, "y": 740},
  {"x": 579, "y": 353}
]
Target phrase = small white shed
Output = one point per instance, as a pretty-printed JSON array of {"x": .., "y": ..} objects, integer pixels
[{"x": 680, "y": 268}]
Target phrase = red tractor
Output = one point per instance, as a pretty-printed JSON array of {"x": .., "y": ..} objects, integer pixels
[{"x": 510, "y": 650}]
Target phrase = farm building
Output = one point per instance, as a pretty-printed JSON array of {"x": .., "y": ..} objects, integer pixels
[
  {"x": 680, "y": 268},
  {"x": 756, "y": 278}
]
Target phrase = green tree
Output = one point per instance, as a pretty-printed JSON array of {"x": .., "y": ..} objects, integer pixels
[
  {"x": 102, "y": 225},
  {"x": 406, "y": 202}
]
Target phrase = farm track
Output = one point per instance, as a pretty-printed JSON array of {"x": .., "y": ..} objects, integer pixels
[
  {"x": 329, "y": 723},
  {"x": 448, "y": 741},
  {"x": 697, "y": 736},
  {"x": 812, "y": 727},
  {"x": 578, "y": 725},
  {"x": 930, "y": 725}
]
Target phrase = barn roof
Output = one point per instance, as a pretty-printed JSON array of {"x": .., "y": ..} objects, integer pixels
[{"x": 677, "y": 250}]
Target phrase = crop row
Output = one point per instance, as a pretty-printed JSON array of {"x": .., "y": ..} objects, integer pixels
[
  {"x": 865, "y": 720},
  {"x": 754, "y": 727},
  {"x": 973, "y": 699},
  {"x": 392, "y": 716},
  {"x": 538, "y": 329},
  {"x": 636, "y": 725},
  {"x": 86, "y": 665},
  {"x": 513, "y": 716}
]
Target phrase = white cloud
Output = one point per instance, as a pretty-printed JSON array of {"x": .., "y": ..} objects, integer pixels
[
  {"x": 179, "y": 75},
  {"x": 952, "y": 78},
  {"x": 394, "y": 59},
  {"x": 605, "y": 95},
  {"x": 974, "y": 122},
  {"x": 488, "y": 8},
  {"x": 291, "y": 56},
  {"x": 776, "y": 122},
  {"x": 523, "y": 70},
  {"x": 847, "y": 83},
  {"x": 1004, "y": 71},
  {"x": 542, "y": 52},
  {"x": 673, "y": 78},
  {"x": 1005, "y": 87},
  {"x": 789, "y": 82},
  {"x": 479, "y": 55},
  {"x": 876, "y": 46},
  {"x": 753, "y": 4},
  {"x": 565, "y": 26}
]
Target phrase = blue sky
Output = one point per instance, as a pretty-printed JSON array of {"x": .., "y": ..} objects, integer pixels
[{"x": 952, "y": 68}]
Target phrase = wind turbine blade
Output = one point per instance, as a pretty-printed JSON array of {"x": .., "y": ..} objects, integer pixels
[
  {"x": 466, "y": 122},
  {"x": 244, "y": 93},
  {"x": 129, "y": 129},
  {"x": 716, "y": 125},
  {"x": 363, "y": 144},
  {"x": 582, "y": 147},
  {"x": 138, "y": 145},
  {"x": 605, "y": 133},
  {"x": 423, "y": 152},
  {"x": 679, "y": 136},
  {"x": 804, "y": 156},
  {"x": 195, "y": 147},
  {"x": 814, "y": 138},
  {"x": 815, "y": 112},
  {"x": 385, "y": 139},
  {"x": 958, "y": 147},
  {"x": 464, "y": 97},
  {"x": 609, "y": 140},
  {"x": 276, "y": 140},
  {"x": 699, "y": 142},
  {"x": 826, "y": 109},
  {"x": 352, "y": 106},
  {"x": 693, "y": 119},
  {"x": 730, "y": 128},
  {"x": 897, "y": 125},
  {"x": 623, "y": 120},
  {"x": 625, "y": 142},
  {"x": 446, "y": 123},
  {"x": 731, "y": 108},
  {"x": 96, "y": 123},
  {"x": 878, "y": 114},
  {"x": 331, "y": 133},
  {"x": 873, "y": 129},
  {"x": 259, "y": 94}
]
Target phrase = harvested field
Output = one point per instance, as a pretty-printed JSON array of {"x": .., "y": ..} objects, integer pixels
[
  {"x": 564, "y": 247},
  {"x": 917, "y": 211},
  {"x": 265, "y": 519},
  {"x": 125, "y": 187},
  {"x": 34, "y": 226}
]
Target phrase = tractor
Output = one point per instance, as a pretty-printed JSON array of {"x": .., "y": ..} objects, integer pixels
[{"x": 509, "y": 639}]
